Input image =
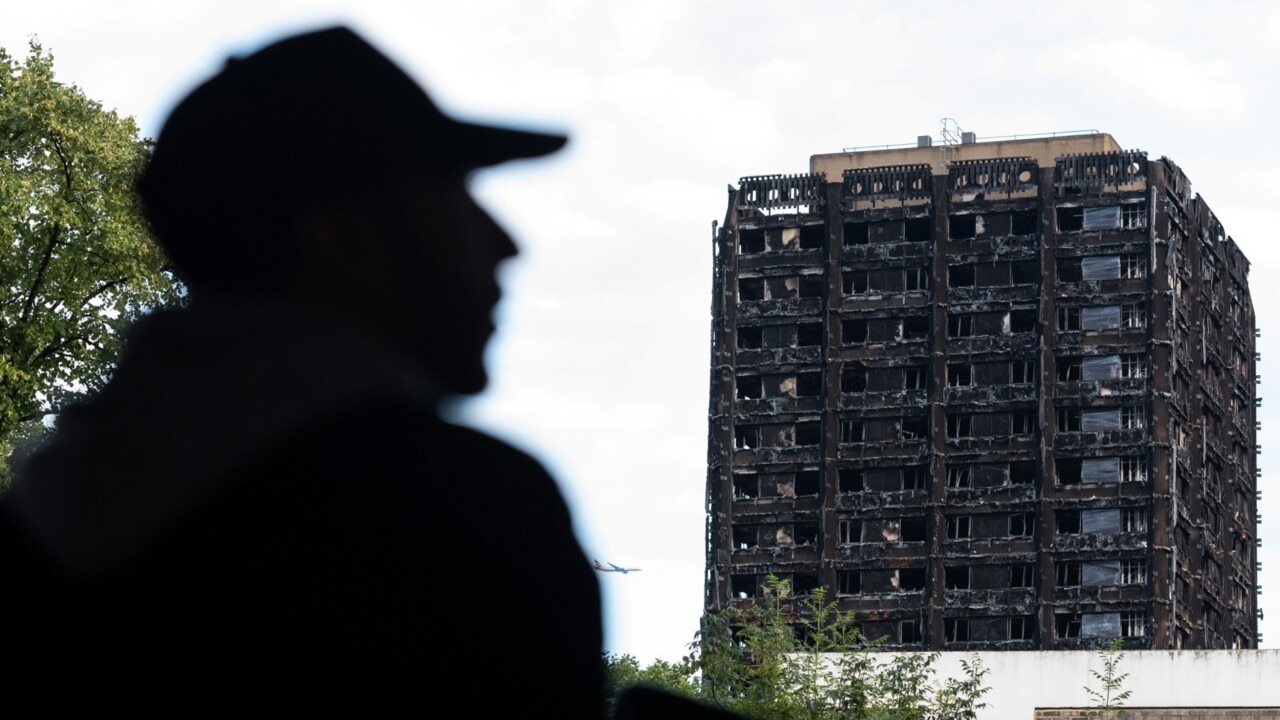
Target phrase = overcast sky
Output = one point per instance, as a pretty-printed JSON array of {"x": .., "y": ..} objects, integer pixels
[{"x": 602, "y": 359}]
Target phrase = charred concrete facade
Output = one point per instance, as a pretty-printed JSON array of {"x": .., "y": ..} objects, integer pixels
[{"x": 989, "y": 396}]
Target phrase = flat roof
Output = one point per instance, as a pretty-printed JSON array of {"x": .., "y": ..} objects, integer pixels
[{"x": 1045, "y": 150}]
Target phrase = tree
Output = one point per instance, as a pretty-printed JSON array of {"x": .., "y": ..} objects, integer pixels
[
  {"x": 77, "y": 263},
  {"x": 787, "y": 658},
  {"x": 1109, "y": 699}
]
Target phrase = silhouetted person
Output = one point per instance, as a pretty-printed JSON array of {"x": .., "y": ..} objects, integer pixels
[{"x": 263, "y": 511}]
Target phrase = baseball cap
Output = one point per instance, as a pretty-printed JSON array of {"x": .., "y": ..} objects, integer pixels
[{"x": 310, "y": 116}]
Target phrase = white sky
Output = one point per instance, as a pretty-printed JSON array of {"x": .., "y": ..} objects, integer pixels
[{"x": 602, "y": 362}]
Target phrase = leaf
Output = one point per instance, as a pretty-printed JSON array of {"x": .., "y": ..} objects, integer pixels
[{"x": 78, "y": 261}]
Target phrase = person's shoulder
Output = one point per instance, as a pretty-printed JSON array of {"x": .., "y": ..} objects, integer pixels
[
  {"x": 400, "y": 448},
  {"x": 402, "y": 433}
]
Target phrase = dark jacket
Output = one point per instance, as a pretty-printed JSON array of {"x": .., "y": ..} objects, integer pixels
[{"x": 361, "y": 557}]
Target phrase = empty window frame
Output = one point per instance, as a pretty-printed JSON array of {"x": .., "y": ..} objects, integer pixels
[
  {"x": 1067, "y": 521},
  {"x": 1132, "y": 417},
  {"x": 849, "y": 582},
  {"x": 959, "y": 476},
  {"x": 1133, "y": 315},
  {"x": 852, "y": 480},
  {"x": 1068, "y": 319},
  {"x": 915, "y": 327},
  {"x": 959, "y": 527},
  {"x": 1068, "y": 470},
  {"x": 805, "y": 384},
  {"x": 850, "y": 531},
  {"x": 1066, "y": 625},
  {"x": 1021, "y": 321},
  {"x": 812, "y": 237},
  {"x": 913, "y": 529},
  {"x": 1133, "y": 623},
  {"x": 1025, "y": 222},
  {"x": 855, "y": 282},
  {"x": 959, "y": 578},
  {"x": 746, "y": 537},
  {"x": 913, "y": 378},
  {"x": 962, "y": 227},
  {"x": 749, "y": 338},
  {"x": 909, "y": 580},
  {"x": 960, "y": 276},
  {"x": 808, "y": 533},
  {"x": 1069, "y": 419},
  {"x": 808, "y": 334},
  {"x": 1070, "y": 219},
  {"x": 918, "y": 229},
  {"x": 1022, "y": 524},
  {"x": 1022, "y": 473},
  {"x": 1133, "y": 572},
  {"x": 959, "y": 326},
  {"x": 746, "y": 437},
  {"x": 1133, "y": 216},
  {"x": 1070, "y": 269},
  {"x": 959, "y": 374},
  {"x": 852, "y": 431},
  {"x": 749, "y": 387},
  {"x": 744, "y": 587},
  {"x": 915, "y": 278},
  {"x": 914, "y": 428},
  {"x": 1067, "y": 574},
  {"x": 808, "y": 483},
  {"x": 855, "y": 233},
  {"x": 750, "y": 241},
  {"x": 746, "y": 486},
  {"x": 884, "y": 329},
  {"x": 959, "y": 426},
  {"x": 1022, "y": 372},
  {"x": 1133, "y": 366},
  {"x": 915, "y": 477},
  {"x": 1022, "y": 627},
  {"x": 1133, "y": 469},
  {"x": 957, "y": 629},
  {"x": 808, "y": 433},
  {"x": 853, "y": 332},
  {"x": 910, "y": 632},
  {"x": 1069, "y": 368},
  {"x": 813, "y": 286},
  {"x": 1022, "y": 575},
  {"x": 750, "y": 289},
  {"x": 1133, "y": 266},
  {"x": 853, "y": 380},
  {"x": 1133, "y": 520}
]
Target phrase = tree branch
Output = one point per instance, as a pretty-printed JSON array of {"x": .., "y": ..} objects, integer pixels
[
  {"x": 101, "y": 289},
  {"x": 44, "y": 267}
]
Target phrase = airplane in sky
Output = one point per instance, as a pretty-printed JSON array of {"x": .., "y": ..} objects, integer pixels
[{"x": 615, "y": 568}]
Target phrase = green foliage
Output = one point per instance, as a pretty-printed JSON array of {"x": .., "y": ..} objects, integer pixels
[
  {"x": 1108, "y": 700},
  {"x": 76, "y": 260},
  {"x": 783, "y": 658}
]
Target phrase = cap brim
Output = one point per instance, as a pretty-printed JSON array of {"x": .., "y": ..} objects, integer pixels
[{"x": 485, "y": 145}]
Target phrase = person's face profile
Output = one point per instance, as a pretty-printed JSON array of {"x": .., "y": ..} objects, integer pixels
[{"x": 446, "y": 249}]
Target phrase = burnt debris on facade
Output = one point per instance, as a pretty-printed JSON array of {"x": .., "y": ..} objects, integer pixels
[{"x": 989, "y": 395}]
